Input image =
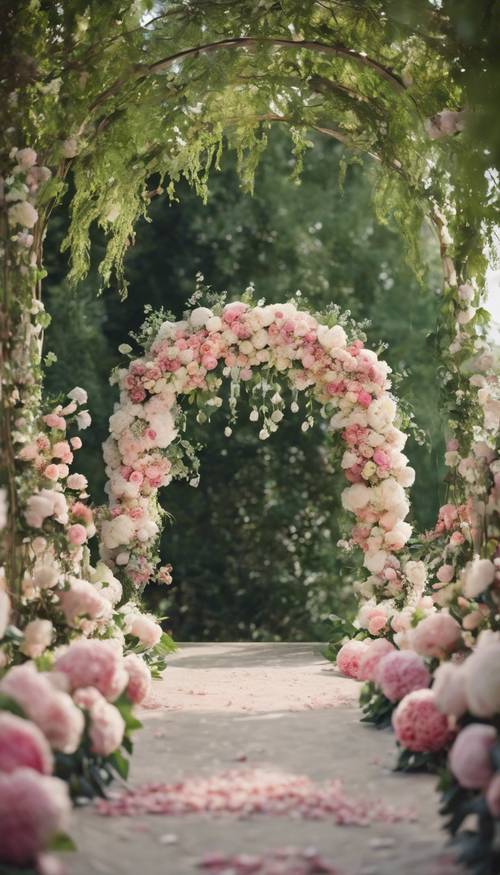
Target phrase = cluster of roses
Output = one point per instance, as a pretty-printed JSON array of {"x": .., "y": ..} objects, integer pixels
[
  {"x": 21, "y": 189},
  {"x": 257, "y": 346},
  {"x": 54, "y": 714}
]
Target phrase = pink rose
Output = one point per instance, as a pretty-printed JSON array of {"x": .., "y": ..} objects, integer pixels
[
  {"x": 33, "y": 809},
  {"x": 93, "y": 663},
  {"x": 53, "y": 420},
  {"x": 145, "y": 628},
  {"x": 437, "y": 635},
  {"x": 370, "y": 660},
  {"x": 401, "y": 672},
  {"x": 470, "y": 757},
  {"x": 22, "y": 744},
  {"x": 349, "y": 658},
  {"x": 456, "y": 539},
  {"x": 61, "y": 450},
  {"x": 51, "y": 472},
  {"x": 76, "y": 443},
  {"x": 139, "y": 678},
  {"x": 419, "y": 726},
  {"x": 77, "y": 481},
  {"x": 77, "y": 534}
]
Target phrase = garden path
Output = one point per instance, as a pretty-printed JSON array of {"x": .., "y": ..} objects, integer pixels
[{"x": 280, "y": 707}]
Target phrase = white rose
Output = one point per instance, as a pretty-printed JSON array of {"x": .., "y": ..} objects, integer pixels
[
  {"x": 375, "y": 562},
  {"x": 479, "y": 575},
  {"x": 199, "y": 317},
  {"x": 213, "y": 324},
  {"x": 381, "y": 413},
  {"x": 331, "y": 337},
  {"x": 405, "y": 476}
]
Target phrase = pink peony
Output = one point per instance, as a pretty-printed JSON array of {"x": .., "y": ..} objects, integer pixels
[
  {"x": 437, "y": 635},
  {"x": 22, "y": 744},
  {"x": 106, "y": 728},
  {"x": 51, "y": 709},
  {"x": 82, "y": 600},
  {"x": 145, "y": 628},
  {"x": 139, "y": 678},
  {"x": 470, "y": 757},
  {"x": 419, "y": 725},
  {"x": 33, "y": 808},
  {"x": 370, "y": 660},
  {"x": 92, "y": 663},
  {"x": 349, "y": 658},
  {"x": 400, "y": 673}
]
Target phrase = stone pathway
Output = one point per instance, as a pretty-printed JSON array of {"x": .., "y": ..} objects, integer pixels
[{"x": 278, "y": 707}]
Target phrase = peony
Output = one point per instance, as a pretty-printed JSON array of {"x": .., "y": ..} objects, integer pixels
[
  {"x": 139, "y": 678},
  {"x": 37, "y": 636},
  {"x": 370, "y": 660},
  {"x": 118, "y": 531},
  {"x": 145, "y": 628},
  {"x": 470, "y": 757},
  {"x": 449, "y": 689},
  {"x": 93, "y": 663},
  {"x": 331, "y": 337},
  {"x": 401, "y": 672},
  {"x": 33, "y": 809},
  {"x": 50, "y": 708},
  {"x": 22, "y": 744},
  {"x": 479, "y": 575},
  {"x": 23, "y": 213},
  {"x": 349, "y": 658},
  {"x": 437, "y": 635},
  {"x": 419, "y": 725},
  {"x": 106, "y": 728},
  {"x": 398, "y": 536},
  {"x": 482, "y": 680},
  {"x": 356, "y": 497}
]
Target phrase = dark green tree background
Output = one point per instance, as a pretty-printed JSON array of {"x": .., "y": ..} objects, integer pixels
[{"x": 254, "y": 546}]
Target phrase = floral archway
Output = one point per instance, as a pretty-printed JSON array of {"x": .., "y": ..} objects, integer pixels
[{"x": 268, "y": 352}]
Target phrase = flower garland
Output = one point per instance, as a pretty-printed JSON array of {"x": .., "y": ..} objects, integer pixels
[{"x": 267, "y": 351}]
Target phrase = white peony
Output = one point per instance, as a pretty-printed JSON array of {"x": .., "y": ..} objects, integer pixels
[
  {"x": 482, "y": 680},
  {"x": 381, "y": 413},
  {"x": 23, "y": 213},
  {"x": 478, "y": 576},
  {"x": 103, "y": 578},
  {"x": 117, "y": 531},
  {"x": 213, "y": 324},
  {"x": 356, "y": 497}
]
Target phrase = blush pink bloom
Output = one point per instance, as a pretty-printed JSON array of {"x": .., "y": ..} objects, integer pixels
[
  {"x": 449, "y": 689},
  {"x": 51, "y": 472},
  {"x": 53, "y": 420},
  {"x": 145, "y": 628},
  {"x": 470, "y": 757},
  {"x": 445, "y": 573},
  {"x": 349, "y": 658},
  {"x": 33, "y": 809},
  {"x": 77, "y": 534},
  {"x": 76, "y": 443},
  {"x": 437, "y": 635},
  {"x": 139, "y": 678},
  {"x": 370, "y": 660},
  {"x": 401, "y": 672},
  {"x": 23, "y": 744},
  {"x": 106, "y": 728},
  {"x": 93, "y": 663},
  {"x": 77, "y": 481},
  {"x": 82, "y": 601},
  {"x": 419, "y": 725},
  {"x": 61, "y": 450},
  {"x": 37, "y": 636}
]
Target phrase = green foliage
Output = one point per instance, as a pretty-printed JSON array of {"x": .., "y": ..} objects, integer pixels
[
  {"x": 259, "y": 557},
  {"x": 377, "y": 709}
]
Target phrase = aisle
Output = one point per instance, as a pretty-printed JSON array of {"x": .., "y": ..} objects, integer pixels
[{"x": 275, "y": 707}]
